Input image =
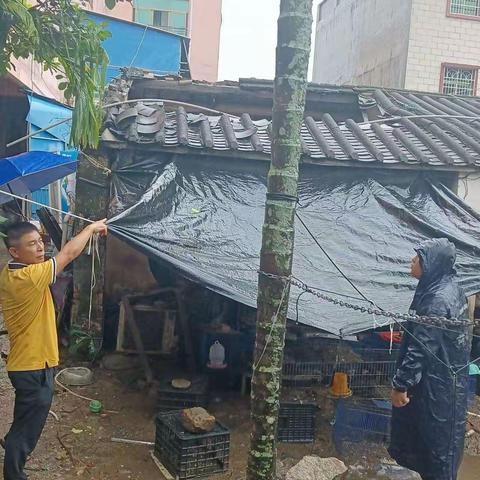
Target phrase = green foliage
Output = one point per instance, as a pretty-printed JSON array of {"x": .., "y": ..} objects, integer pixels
[{"x": 59, "y": 36}]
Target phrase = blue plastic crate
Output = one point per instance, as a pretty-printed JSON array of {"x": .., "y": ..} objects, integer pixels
[{"x": 361, "y": 421}]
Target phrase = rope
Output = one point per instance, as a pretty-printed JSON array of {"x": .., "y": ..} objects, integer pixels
[
  {"x": 60, "y": 384},
  {"x": 33, "y": 202},
  {"x": 331, "y": 259},
  {"x": 96, "y": 163},
  {"x": 139, "y": 47},
  {"x": 93, "y": 250}
]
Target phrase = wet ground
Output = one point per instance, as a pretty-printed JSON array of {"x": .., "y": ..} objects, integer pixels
[
  {"x": 470, "y": 469},
  {"x": 79, "y": 445}
]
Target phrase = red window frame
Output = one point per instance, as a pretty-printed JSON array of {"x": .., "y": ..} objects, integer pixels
[
  {"x": 446, "y": 65},
  {"x": 475, "y": 18}
]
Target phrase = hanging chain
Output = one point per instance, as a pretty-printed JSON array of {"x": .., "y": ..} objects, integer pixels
[{"x": 374, "y": 309}]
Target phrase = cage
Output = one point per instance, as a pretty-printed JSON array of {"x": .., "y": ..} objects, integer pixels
[{"x": 369, "y": 372}]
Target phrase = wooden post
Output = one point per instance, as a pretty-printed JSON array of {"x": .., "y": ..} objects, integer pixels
[
  {"x": 293, "y": 51},
  {"x": 91, "y": 201}
]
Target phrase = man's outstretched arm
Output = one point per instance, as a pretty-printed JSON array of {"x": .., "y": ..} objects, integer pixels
[{"x": 75, "y": 246}]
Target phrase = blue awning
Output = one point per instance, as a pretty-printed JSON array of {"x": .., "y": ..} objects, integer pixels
[
  {"x": 27, "y": 172},
  {"x": 43, "y": 113}
]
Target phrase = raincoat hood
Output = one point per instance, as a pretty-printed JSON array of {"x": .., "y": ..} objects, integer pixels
[{"x": 437, "y": 258}]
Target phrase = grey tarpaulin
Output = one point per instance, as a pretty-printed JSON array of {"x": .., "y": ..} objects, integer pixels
[{"x": 204, "y": 218}]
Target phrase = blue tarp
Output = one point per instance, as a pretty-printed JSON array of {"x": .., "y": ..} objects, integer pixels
[
  {"x": 135, "y": 45},
  {"x": 27, "y": 172}
]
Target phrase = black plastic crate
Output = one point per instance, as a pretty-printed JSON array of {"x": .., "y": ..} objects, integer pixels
[
  {"x": 170, "y": 398},
  {"x": 190, "y": 455},
  {"x": 296, "y": 422},
  {"x": 361, "y": 421}
]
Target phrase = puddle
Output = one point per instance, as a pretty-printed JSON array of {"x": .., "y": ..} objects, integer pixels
[{"x": 470, "y": 468}]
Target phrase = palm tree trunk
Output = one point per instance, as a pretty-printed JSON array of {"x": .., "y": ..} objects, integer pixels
[{"x": 293, "y": 51}]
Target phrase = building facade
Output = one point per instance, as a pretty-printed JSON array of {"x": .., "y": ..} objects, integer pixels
[
  {"x": 123, "y": 10},
  {"x": 427, "y": 45},
  {"x": 200, "y": 20},
  {"x": 171, "y": 15}
]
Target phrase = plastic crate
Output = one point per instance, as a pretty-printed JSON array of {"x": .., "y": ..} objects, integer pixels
[
  {"x": 189, "y": 455},
  {"x": 296, "y": 422},
  {"x": 170, "y": 398},
  {"x": 361, "y": 421}
]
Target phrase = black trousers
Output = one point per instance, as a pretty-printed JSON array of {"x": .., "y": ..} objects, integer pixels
[{"x": 33, "y": 398}]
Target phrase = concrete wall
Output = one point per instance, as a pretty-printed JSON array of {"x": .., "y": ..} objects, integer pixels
[
  {"x": 31, "y": 74},
  {"x": 362, "y": 42},
  {"x": 127, "y": 271},
  {"x": 123, "y": 10},
  {"x": 469, "y": 190},
  {"x": 205, "y": 25},
  {"x": 436, "y": 38}
]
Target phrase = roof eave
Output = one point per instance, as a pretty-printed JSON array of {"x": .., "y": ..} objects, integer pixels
[{"x": 263, "y": 157}]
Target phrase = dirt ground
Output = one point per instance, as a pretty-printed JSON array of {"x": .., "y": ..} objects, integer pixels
[{"x": 79, "y": 444}]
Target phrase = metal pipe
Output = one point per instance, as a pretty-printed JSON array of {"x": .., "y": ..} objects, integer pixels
[
  {"x": 171, "y": 102},
  {"x": 116, "y": 104},
  {"x": 30, "y": 135},
  {"x": 133, "y": 442},
  {"x": 217, "y": 112},
  {"x": 396, "y": 119}
]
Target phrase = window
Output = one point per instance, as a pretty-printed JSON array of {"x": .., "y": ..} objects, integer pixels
[
  {"x": 175, "y": 22},
  {"x": 161, "y": 18},
  {"x": 459, "y": 80},
  {"x": 464, "y": 8}
]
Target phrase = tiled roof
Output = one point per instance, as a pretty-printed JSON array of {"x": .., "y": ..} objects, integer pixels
[{"x": 388, "y": 136}]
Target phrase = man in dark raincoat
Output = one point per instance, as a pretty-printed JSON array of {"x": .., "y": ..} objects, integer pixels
[{"x": 430, "y": 388}]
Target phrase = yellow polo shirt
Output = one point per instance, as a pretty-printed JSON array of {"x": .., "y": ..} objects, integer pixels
[{"x": 29, "y": 315}]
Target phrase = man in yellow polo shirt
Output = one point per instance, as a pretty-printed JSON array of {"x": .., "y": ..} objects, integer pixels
[{"x": 29, "y": 316}]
